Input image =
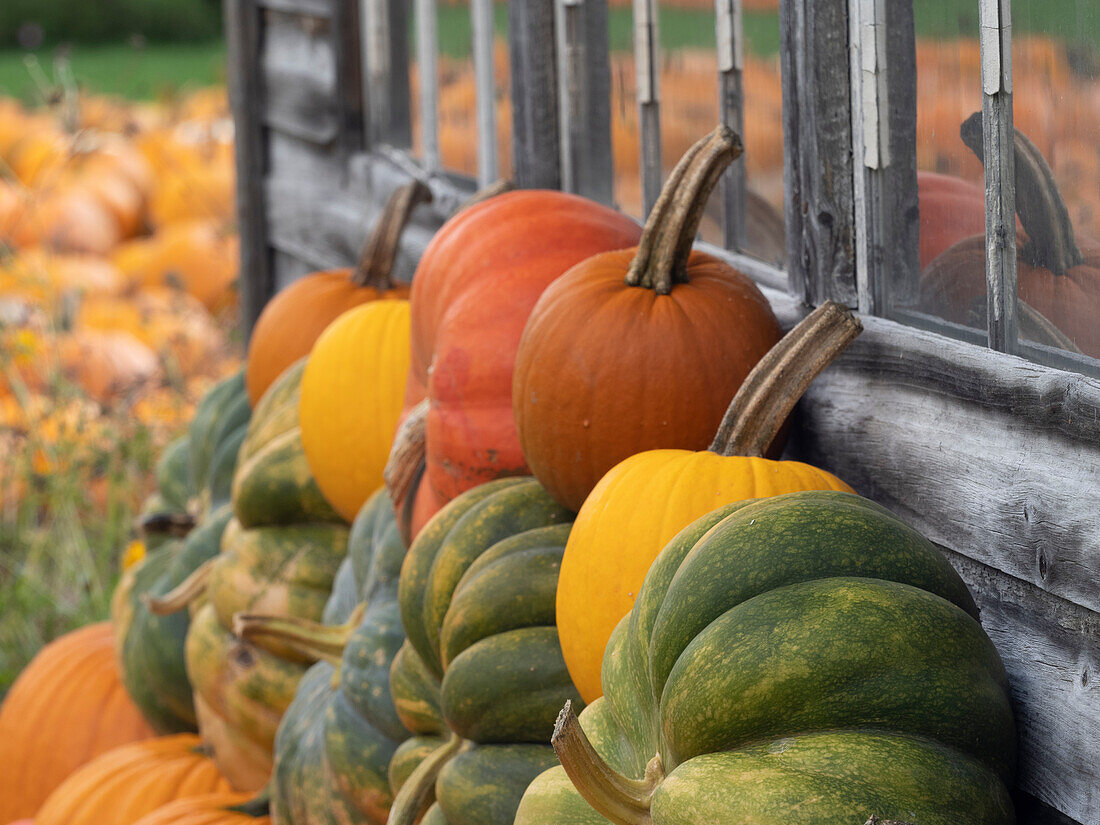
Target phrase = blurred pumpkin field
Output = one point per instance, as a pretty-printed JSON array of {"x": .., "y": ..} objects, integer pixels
[{"x": 118, "y": 268}]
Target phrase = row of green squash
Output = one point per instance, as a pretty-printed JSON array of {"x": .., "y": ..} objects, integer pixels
[{"x": 753, "y": 641}]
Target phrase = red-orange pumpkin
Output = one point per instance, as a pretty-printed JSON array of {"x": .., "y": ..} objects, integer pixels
[
  {"x": 641, "y": 348},
  {"x": 473, "y": 291},
  {"x": 295, "y": 318}
]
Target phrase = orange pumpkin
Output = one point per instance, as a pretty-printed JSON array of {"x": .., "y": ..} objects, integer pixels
[
  {"x": 123, "y": 785},
  {"x": 213, "y": 809},
  {"x": 67, "y": 707},
  {"x": 647, "y": 499},
  {"x": 640, "y": 348},
  {"x": 294, "y": 319},
  {"x": 474, "y": 289}
]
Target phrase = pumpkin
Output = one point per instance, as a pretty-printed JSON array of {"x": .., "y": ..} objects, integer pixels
[
  {"x": 352, "y": 391},
  {"x": 123, "y": 785},
  {"x": 336, "y": 739},
  {"x": 640, "y": 348},
  {"x": 66, "y": 707},
  {"x": 150, "y": 646},
  {"x": 643, "y": 501},
  {"x": 1058, "y": 274},
  {"x": 294, "y": 318},
  {"x": 482, "y": 668},
  {"x": 209, "y": 809},
  {"x": 279, "y": 555},
  {"x": 951, "y": 209},
  {"x": 805, "y": 658},
  {"x": 475, "y": 285}
]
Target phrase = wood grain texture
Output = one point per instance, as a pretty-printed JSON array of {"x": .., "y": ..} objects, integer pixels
[
  {"x": 536, "y": 149},
  {"x": 299, "y": 77},
  {"x": 817, "y": 139},
  {"x": 246, "y": 99}
]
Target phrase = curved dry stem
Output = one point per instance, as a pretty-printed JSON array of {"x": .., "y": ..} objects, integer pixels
[
  {"x": 780, "y": 378},
  {"x": 418, "y": 792},
  {"x": 661, "y": 259},
  {"x": 406, "y": 465},
  {"x": 176, "y": 525},
  {"x": 623, "y": 800},
  {"x": 380, "y": 251},
  {"x": 1043, "y": 213},
  {"x": 312, "y": 640},
  {"x": 497, "y": 187},
  {"x": 183, "y": 594}
]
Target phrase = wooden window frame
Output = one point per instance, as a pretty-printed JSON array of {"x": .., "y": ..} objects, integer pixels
[{"x": 994, "y": 457}]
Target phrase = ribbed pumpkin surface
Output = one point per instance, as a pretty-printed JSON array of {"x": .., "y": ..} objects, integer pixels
[
  {"x": 123, "y": 785},
  {"x": 67, "y": 707},
  {"x": 204, "y": 810}
]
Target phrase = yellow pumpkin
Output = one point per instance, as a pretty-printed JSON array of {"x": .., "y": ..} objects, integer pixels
[
  {"x": 645, "y": 500},
  {"x": 353, "y": 390}
]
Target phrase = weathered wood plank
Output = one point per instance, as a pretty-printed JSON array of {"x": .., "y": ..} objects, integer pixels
[
  {"x": 246, "y": 97},
  {"x": 311, "y": 8},
  {"x": 536, "y": 150},
  {"x": 291, "y": 157},
  {"x": 481, "y": 24},
  {"x": 731, "y": 109},
  {"x": 299, "y": 77},
  {"x": 884, "y": 104},
  {"x": 1051, "y": 650},
  {"x": 427, "y": 59},
  {"x": 385, "y": 49},
  {"x": 647, "y": 71},
  {"x": 348, "y": 68},
  {"x": 817, "y": 138},
  {"x": 585, "y": 93}
]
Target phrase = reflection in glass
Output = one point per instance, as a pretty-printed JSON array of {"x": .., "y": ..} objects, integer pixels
[{"x": 689, "y": 109}]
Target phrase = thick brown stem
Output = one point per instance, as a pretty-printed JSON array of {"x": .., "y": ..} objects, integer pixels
[
  {"x": 1043, "y": 213},
  {"x": 183, "y": 594},
  {"x": 418, "y": 792},
  {"x": 661, "y": 259},
  {"x": 380, "y": 250},
  {"x": 780, "y": 378},
  {"x": 406, "y": 465},
  {"x": 623, "y": 800},
  {"x": 176, "y": 525},
  {"x": 497, "y": 187},
  {"x": 259, "y": 805},
  {"x": 311, "y": 640}
]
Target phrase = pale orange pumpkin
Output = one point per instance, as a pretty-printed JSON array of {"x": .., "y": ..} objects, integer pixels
[
  {"x": 67, "y": 707},
  {"x": 214, "y": 809},
  {"x": 642, "y": 502},
  {"x": 123, "y": 785},
  {"x": 353, "y": 390}
]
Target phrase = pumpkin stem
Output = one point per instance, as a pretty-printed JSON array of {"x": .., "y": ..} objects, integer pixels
[
  {"x": 379, "y": 252},
  {"x": 497, "y": 187},
  {"x": 313, "y": 640},
  {"x": 182, "y": 594},
  {"x": 623, "y": 800},
  {"x": 418, "y": 793},
  {"x": 406, "y": 465},
  {"x": 781, "y": 377},
  {"x": 661, "y": 259},
  {"x": 1051, "y": 244},
  {"x": 176, "y": 525},
  {"x": 259, "y": 805}
]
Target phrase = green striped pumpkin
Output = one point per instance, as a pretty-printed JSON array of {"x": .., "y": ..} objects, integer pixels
[{"x": 801, "y": 659}]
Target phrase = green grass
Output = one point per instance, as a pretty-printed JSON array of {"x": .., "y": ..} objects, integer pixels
[{"x": 116, "y": 69}]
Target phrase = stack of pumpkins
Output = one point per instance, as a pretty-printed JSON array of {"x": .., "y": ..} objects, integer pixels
[{"x": 575, "y": 514}]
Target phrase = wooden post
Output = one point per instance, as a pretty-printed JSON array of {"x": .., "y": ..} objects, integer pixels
[
  {"x": 536, "y": 150},
  {"x": 246, "y": 85},
  {"x": 386, "y": 69},
  {"x": 731, "y": 109},
  {"x": 817, "y": 151},
  {"x": 585, "y": 92},
  {"x": 647, "y": 73},
  {"x": 349, "y": 78},
  {"x": 481, "y": 19},
  {"x": 427, "y": 54}
]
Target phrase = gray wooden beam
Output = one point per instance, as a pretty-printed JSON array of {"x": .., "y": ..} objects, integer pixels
[
  {"x": 349, "y": 79},
  {"x": 647, "y": 79},
  {"x": 246, "y": 97},
  {"x": 585, "y": 91},
  {"x": 385, "y": 68},
  {"x": 481, "y": 20},
  {"x": 731, "y": 110},
  {"x": 884, "y": 107},
  {"x": 817, "y": 135},
  {"x": 536, "y": 148}
]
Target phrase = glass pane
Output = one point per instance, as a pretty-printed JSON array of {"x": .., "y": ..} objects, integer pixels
[
  {"x": 1056, "y": 104},
  {"x": 457, "y": 87},
  {"x": 949, "y": 174},
  {"x": 689, "y": 109}
]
